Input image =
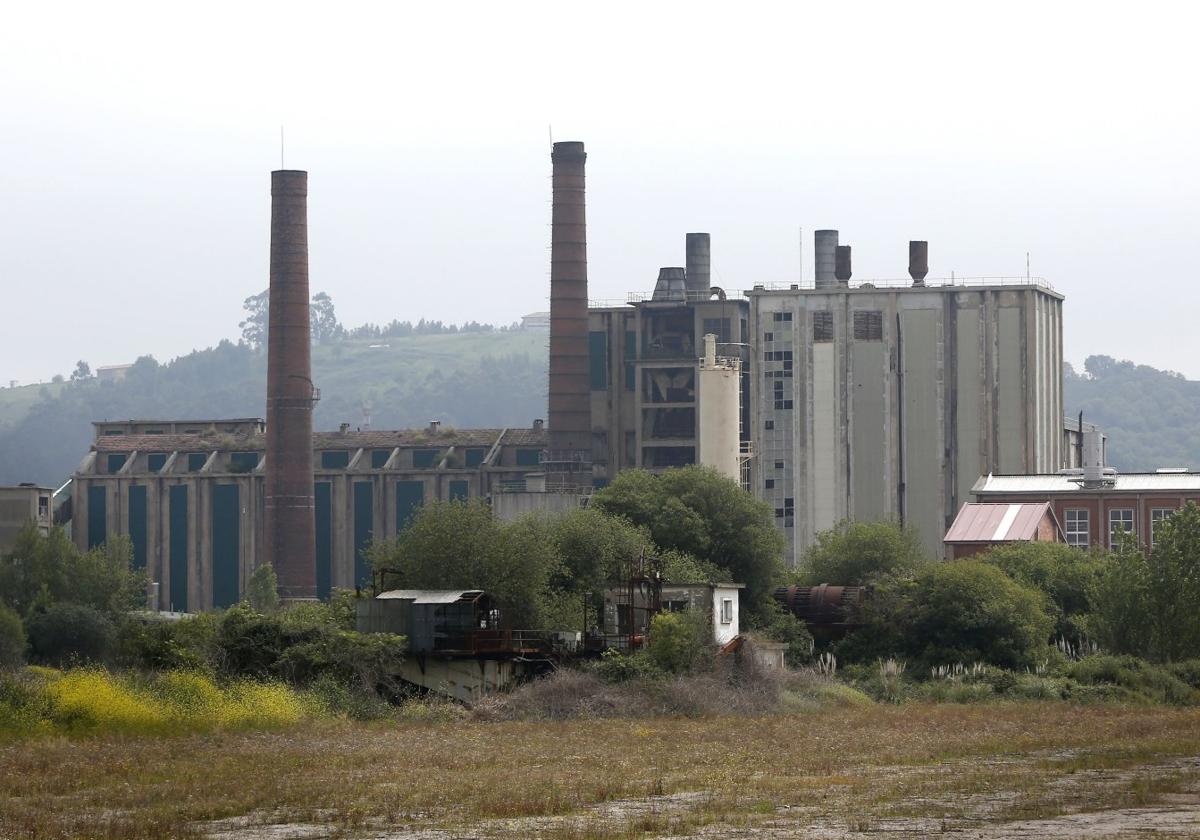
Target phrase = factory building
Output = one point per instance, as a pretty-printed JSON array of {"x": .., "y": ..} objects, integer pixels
[
  {"x": 191, "y": 496},
  {"x": 879, "y": 400},
  {"x": 21, "y": 506}
]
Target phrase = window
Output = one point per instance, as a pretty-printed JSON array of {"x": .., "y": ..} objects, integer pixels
[
  {"x": 379, "y": 458},
  {"x": 718, "y": 327},
  {"x": 424, "y": 459},
  {"x": 868, "y": 326},
  {"x": 474, "y": 457},
  {"x": 822, "y": 326},
  {"x": 155, "y": 461},
  {"x": 244, "y": 462},
  {"x": 779, "y": 465},
  {"x": 727, "y": 611},
  {"x": 782, "y": 316},
  {"x": 196, "y": 461},
  {"x": 769, "y": 425},
  {"x": 787, "y": 513},
  {"x": 43, "y": 507},
  {"x": 115, "y": 462},
  {"x": 528, "y": 457},
  {"x": 338, "y": 459},
  {"x": 1078, "y": 527},
  {"x": 598, "y": 360},
  {"x": 781, "y": 403},
  {"x": 769, "y": 484},
  {"x": 1158, "y": 515},
  {"x": 769, "y": 336},
  {"x": 1119, "y": 519}
]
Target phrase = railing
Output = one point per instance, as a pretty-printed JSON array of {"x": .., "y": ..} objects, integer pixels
[{"x": 907, "y": 283}]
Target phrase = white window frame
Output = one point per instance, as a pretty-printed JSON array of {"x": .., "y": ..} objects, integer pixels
[
  {"x": 1113, "y": 520},
  {"x": 1158, "y": 515},
  {"x": 1077, "y": 523},
  {"x": 727, "y": 611}
]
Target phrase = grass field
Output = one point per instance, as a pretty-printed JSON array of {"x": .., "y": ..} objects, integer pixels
[{"x": 995, "y": 770}]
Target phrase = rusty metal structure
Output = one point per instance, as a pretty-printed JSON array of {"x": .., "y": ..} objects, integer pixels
[
  {"x": 918, "y": 261},
  {"x": 290, "y": 511},
  {"x": 567, "y": 460},
  {"x": 824, "y": 608}
]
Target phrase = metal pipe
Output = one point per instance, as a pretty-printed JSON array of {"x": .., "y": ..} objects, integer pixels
[
  {"x": 841, "y": 263},
  {"x": 698, "y": 265},
  {"x": 290, "y": 533},
  {"x": 825, "y": 250}
]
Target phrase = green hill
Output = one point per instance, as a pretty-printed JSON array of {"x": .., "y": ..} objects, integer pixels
[
  {"x": 1151, "y": 417},
  {"x": 464, "y": 379}
]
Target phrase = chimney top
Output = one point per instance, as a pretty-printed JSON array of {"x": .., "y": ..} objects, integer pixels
[
  {"x": 434, "y": 425},
  {"x": 539, "y": 424},
  {"x": 568, "y": 150}
]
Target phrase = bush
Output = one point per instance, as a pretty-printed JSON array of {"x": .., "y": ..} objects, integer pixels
[
  {"x": 12, "y": 638},
  {"x": 968, "y": 611},
  {"x": 862, "y": 553},
  {"x": 1066, "y": 575},
  {"x": 617, "y": 667},
  {"x": 150, "y": 643},
  {"x": 1149, "y": 682},
  {"x": 779, "y": 625},
  {"x": 70, "y": 632},
  {"x": 263, "y": 589},
  {"x": 680, "y": 642}
]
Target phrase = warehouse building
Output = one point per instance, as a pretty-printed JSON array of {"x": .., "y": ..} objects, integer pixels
[
  {"x": 190, "y": 495},
  {"x": 20, "y": 507}
]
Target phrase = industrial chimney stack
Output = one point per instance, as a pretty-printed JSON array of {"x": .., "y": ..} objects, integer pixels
[
  {"x": 570, "y": 417},
  {"x": 918, "y": 261},
  {"x": 290, "y": 531},
  {"x": 825, "y": 248},
  {"x": 842, "y": 265},
  {"x": 698, "y": 262}
]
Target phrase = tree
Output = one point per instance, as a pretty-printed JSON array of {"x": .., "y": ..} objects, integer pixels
[
  {"x": 12, "y": 638},
  {"x": 324, "y": 323},
  {"x": 47, "y": 569},
  {"x": 862, "y": 553},
  {"x": 1067, "y": 576},
  {"x": 1149, "y": 604},
  {"x": 254, "y": 326},
  {"x": 698, "y": 511},
  {"x": 263, "y": 589},
  {"x": 82, "y": 372}
]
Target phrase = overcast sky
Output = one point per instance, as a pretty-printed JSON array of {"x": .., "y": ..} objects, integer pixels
[{"x": 136, "y": 143}]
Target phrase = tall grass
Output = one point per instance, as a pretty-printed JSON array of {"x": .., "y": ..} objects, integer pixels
[{"x": 96, "y": 701}]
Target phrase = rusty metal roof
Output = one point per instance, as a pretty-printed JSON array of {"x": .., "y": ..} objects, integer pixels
[
  {"x": 997, "y": 522},
  {"x": 406, "y": 438}
]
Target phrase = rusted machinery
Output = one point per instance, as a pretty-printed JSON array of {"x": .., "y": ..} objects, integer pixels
[{"x": 830, "y": 609}]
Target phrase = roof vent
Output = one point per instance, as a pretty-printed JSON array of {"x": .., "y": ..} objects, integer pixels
[{"x": 434, "y": 425}]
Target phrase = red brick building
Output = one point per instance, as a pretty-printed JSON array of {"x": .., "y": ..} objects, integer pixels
[{"x": 1091, "y": 512}]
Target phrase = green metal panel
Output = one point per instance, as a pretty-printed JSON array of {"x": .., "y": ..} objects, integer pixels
[
  {"x": 630, "y": 356},
  {"x": 460, "y": 491},
  {"x": 424, "y": 459},
  {"x": 364, "y": 529},
  {"x": 379, "y": 457},
  {"x": 155, "y": 461},
  {"x": 410, "y": 495},
  {"x": 226, "y": 537},
  {"x": 335, "y": 460},
  {"x": 196, "y": 461},
  {"x": 867, "y": 401},
  {"x": 178, "y": 546},
  {"x": 598, "y": 360},
  {"x": 323, "y": 498},
  {"x": 97, "y": 517},
  {"x": 475, "y": 457},
  {"x": 116, "y": 460},
  {"x": 137, "y": 524},
  {"x": 528, "y": 457}
]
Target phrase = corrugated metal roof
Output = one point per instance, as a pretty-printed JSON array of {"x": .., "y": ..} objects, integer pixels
[
  {"x": 406, "y": 438},
  {"x": 431, "y": 596},
  {"x": 1122, "y": 483},
  {"x": 996, "y": 522}
]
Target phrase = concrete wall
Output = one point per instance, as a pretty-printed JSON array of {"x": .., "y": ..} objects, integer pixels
[{"x": 919, "y": 392}]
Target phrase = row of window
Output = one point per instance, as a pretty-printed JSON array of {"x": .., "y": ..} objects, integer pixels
[
  {"x": 241, "y": 462},
  {"x": 868, "y": 325},
  {"x": 1078, "y": 521}
]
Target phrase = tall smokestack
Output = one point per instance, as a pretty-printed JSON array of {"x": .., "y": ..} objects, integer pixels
[
  {"x": 825, "y": 248},
  {"x": 698, "y": 262},
  {"x": 570, "y": 393},
  {"x": 290, "y": 532},
  {"x": 918, "y": 261}
]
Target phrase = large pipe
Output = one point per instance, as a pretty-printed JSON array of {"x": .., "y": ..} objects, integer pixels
[
  {"x": 918, "y": 261},
  {"x": 824, "y": 250},
  {"x": 290, "y": 526},
  {"x": 570, "y": 416},
  {"x": 698, "y": 262}
]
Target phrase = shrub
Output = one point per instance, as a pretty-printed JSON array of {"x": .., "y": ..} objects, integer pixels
[
  {"x": 862, "y": 553},
  {"x": 680, "y": 641},
  {"x": 779, "y": 625},
  {"x": 12, "y": 638},
  {"x": 263, "y": 589},
  {"x": 616, "y": 667},
  {"x": 968, "y": 611},
  {"x": 70, "y": 632},
  {"x": 1152, "y": 683},
  {"x": 158, "y": 645},
  {"x": 1066, "y": 575}
]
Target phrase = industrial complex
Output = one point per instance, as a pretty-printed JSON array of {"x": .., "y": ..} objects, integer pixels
[{"x": 843, "y": 399}]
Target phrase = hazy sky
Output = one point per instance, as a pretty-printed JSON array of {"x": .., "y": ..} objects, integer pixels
[{"x": 136, "y": 143}]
